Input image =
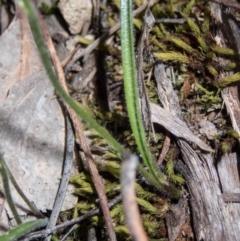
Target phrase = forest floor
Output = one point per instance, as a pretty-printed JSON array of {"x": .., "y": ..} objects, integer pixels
[{"x": 185, "y": 67}]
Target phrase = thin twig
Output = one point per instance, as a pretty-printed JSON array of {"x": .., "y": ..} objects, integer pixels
[
  {"x": 97, "y": 180},
  {"x": 171, "y": 20},
  {"x": 68, "y": 160},
  {"x": 69, "y": 232},
  {"x": 45, "y": 233},
  {"x": 149, "y": 21},
  {"x": 65, "y": 61},
  {"x": 130, "y": 206}
]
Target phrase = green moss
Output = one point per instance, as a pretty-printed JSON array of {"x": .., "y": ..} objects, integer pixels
[
  {"x": 222, "y": 50},
  {"x": 180, "y": 43},
  {"x": 175, "y": 178},
  {"x": 147, "y": 206},
  {"x": 116, "y": 210},
  {"x": 206, "y": 21},
  {"x": 137, "y": 23},
  {"x": 225, "y": 147},
  {"x": 232, "y": 79},
  {"x": 173, "y": 56},
  {"x": 188, "y": 8},
  {"x": 234, "y": 134}
]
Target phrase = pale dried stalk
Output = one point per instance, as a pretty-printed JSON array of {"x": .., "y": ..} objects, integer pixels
[{"x": 130, "y": 206}]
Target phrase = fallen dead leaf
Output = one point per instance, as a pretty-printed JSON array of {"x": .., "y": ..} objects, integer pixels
[{"x": 32, "y": 127}]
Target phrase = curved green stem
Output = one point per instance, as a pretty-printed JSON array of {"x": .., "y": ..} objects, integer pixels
[
  {"x": 77, "y": 107},
  {"x": 4, "y": 174},
  {"x": 19, "y": 190},
  {"x": 23, "y": 229}
]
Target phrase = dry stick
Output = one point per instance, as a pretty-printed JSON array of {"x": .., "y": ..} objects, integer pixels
[
  {"x": 142, "y": 91},
  {"x": 80, "y": 134},
  {"x": 68, "y": 160},
  {"x": 130, "y": 206},
  {"x": 101, "y": 39},
  {"x": 169, "y": 20},
  {"x": 45, "y": 233},
  {"x": 65, "y": 61}
]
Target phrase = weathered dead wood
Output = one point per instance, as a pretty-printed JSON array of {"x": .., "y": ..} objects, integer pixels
[
  {"x": 175, "y": 126},
  {"x": 213, "y": 219},
  {"x": 209, "y": 187},
  {"x": 176, "y": 218}
]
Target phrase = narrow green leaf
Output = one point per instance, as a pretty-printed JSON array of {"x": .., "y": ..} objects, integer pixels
[
  {"x": 19, "y": 190},
  {"x": 23, "y": 229},
  {"x": 77, "y": 107},
  {"x": 130, "y": 85},
  {"x": 132, "y": 98},
  {"x": 4, "y": 174},
  {"x": 154, "y": 176}
]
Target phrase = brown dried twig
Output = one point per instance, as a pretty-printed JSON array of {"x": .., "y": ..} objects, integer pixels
[
  {"x": 97, "y": 180},
  {"x": 46, "y": 232}
]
